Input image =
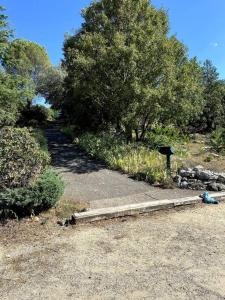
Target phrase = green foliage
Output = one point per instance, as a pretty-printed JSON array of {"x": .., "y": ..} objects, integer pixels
[
  {"x": 41, "y": 139},
  {"x": 69, "y": 131},
  {"x": 52, "y": 114},
  {"x": 21, "y": 63},
  {"x": 35, "y": 116},
  {"x": 213, "y": 114},
  {"x": 25, "y": 58},
  {"x": 21, "y": 159},
  {"x": 163, "y": 136},
  {"x": 124, "y": 70},
  {"x": 217, "y": 139},
  {"x": 15, "y": 93},
  {"x": 51, "y": 85},
  {"x": 42, "y": 194},
  {"x": 5, "y": 33},
  {"x": 7, "y": 118},
  {"x": 134, "y": 159}
]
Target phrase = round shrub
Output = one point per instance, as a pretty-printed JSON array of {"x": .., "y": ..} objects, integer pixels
[
  {"x": 35, "y": 116},
  {"x": 42, "y": 194},
  {"x": 21, "y": 158}
]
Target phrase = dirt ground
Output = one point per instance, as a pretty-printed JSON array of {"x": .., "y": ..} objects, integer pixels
[
  {"x": 169, "y": 255},
  {"x": 199, "y": 152}
]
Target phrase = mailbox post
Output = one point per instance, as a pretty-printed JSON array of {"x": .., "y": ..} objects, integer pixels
[{"x": 168, "y": 151}]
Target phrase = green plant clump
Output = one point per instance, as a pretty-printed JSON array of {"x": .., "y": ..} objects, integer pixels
[
  {"x": 217, "y": 140},
  {"x": 42, "y": 194},
  {"x": 134, "y": 159},
  {"x": 21, "y": 158},
  {"x": 41, "y": 139},
  {"x": 161, "y": 136},
  {"x": 69, "y": 131}
]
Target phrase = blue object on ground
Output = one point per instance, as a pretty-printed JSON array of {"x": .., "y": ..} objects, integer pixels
[{"x": 209, "y": 200}]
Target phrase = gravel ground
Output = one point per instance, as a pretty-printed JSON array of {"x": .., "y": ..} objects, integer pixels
[{"x": 167, "y": 255}]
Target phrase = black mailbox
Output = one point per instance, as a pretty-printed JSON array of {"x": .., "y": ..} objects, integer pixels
[{"x": 168, "y": 151}]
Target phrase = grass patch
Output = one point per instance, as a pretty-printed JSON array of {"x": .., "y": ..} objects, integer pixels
[
  {"x": 65, "y": 208},
  {"x": 134, "y": 159}
]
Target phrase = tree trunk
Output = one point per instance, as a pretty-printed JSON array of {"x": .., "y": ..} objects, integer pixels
[
  {"x": 137, "y": 135},
  {"x": 128, "y": 132}
]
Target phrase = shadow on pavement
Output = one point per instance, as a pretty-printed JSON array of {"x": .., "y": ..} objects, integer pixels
[{"x": 66, "y": 155}]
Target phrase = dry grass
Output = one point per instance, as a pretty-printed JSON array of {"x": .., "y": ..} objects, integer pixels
[
  {"x": 200, "y": 153},
  {"x": 66, "y": 208}
]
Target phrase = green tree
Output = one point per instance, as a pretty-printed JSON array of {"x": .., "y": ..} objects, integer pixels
[
  {"x": 24, "y": 62},
  {"x": 15, "y": 93},
  {"x": 124, "y": 70},
  {"x": 5, "y": 33},
  {"x": 15, "y": 90},
  {"x": 27, "y": 59},
  {"x": 51, "y": 85},
  {"x": 214, "y": 95}
]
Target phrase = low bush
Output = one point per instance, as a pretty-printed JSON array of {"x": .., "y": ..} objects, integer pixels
[
  {"x": 134, "y": 159},
  {"x": 217, "y": 140},
  {"x": 40, "y": 137},
  {"x": 42, "y": 194},
  {"x": 21, "y": 158},
  {"x": 69, "y": 131},
  {"x": 36, "y": 116},
  {"x": 160, "y": 136}
]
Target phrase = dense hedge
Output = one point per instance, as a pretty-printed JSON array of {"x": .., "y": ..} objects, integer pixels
[
  {"x": 21, "y": 158},
  {"x": 41, "y": 195}
]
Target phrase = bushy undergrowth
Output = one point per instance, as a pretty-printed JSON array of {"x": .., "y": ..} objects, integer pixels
[
  {"x": 161, "y": 136},
  {"x": 41, "y": 139},
  {"x": 69, "y": 131},
  {"x": 134, "y": 159},
  {"x": 36, "y": 116},
  {"x": 21, "y": 158},
  {"x": 217, "y": 140},
  {"x": 42, "y": 194}
]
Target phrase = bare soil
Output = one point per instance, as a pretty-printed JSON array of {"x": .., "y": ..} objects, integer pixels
[
  {"x": 199, "y": 152},
  {"x": 170, "y": 255}
]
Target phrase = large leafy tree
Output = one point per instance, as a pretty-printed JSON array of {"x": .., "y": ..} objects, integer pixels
[
  {"x": 16, "y": 90},
  {"x": 124, "y": 70},
  {"x": 214, "y": 94},
  {"x": 15, "y": 93},
  {"x": 26, "y": 58},
  {"x": 26, "y": 61},
  {"x": 51, "y": 85}
]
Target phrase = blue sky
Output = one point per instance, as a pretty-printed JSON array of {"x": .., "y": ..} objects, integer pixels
[{"x": 200, "y": 24}]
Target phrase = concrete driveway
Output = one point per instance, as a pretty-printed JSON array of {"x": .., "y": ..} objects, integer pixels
[{"x": 167, "y": 255}]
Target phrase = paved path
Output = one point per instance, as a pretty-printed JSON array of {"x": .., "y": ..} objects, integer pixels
[{"x": 88, "y": 180}]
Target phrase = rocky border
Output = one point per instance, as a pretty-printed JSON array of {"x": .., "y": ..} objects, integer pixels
[{"x": 198, "y": 178}]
